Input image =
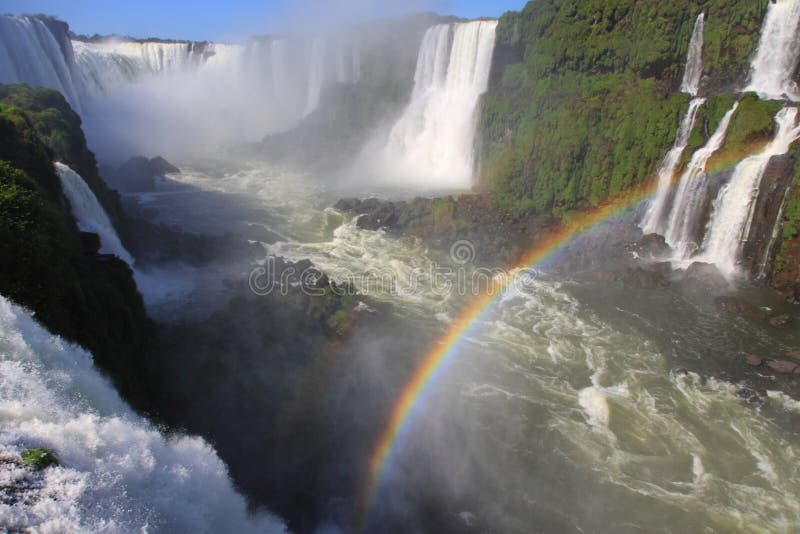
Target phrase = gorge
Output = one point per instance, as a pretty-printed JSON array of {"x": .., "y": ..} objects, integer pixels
[{"x": 537, "y": 273}]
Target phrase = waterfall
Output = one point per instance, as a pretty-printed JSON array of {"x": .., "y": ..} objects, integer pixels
[
  {"x": 89, "y": 214},
  {"x": 776, "y": 59},
  {"x": 433, "y": 140},
  {"x": 694, "y": 60},
  {"x": 316, "y": 74},
  {"x": 691, "y": 193},
  {"x": 118, "y": 473},
  {"x": 30, "y": 53},
  {"x": 105, "y": 65},
  {"x": 733, "y": 214},
  {"x": 653, "y": 221}
]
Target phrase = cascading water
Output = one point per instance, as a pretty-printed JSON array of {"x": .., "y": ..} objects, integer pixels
[
  {"x": 89, "y": 214},
  {"x": 694, "y": 60},
  {"x": 653, "y": 221},
  {"x": 117, "y": 472},
  {"x": 730, "y": 221},
  {"x": 30, "y": 53},
  {"x": 692, "y": 192},
  {"x": 433, "y": 141},
  {"x": 775, "y": 62},
  {"x": 316, "y": 74}
]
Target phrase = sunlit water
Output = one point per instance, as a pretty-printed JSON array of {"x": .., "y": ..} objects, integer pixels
[{"x": 569, "y": 408}]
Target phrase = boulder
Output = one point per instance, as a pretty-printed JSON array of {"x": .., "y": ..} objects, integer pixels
[
  {"x": 753, "y": 360},
  {"x": 138, "y": 174},
  {"x": 641, "y": 278},
  {"x": 781, "y": 320},
  {"x": 652, "y": 246},
  {"x": 783, "y": 367},
  {"x": 741, "y": 308},
  {"x": 706, "y": 276},
  {"x": 794, "y": 354}
]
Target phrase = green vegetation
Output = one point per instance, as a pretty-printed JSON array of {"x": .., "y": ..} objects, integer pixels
[
  {"x": 59, "y": 129},
  {"x": 39, "y": 459},
  {"x": 82, "y": 297},
  {"x": 583, "y": 99}
]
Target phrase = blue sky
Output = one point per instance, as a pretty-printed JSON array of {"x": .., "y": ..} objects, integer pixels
[{"x": 229, "y": 19}]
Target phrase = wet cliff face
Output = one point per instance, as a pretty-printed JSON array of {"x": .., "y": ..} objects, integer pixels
[{"x": 781, "y": 194}]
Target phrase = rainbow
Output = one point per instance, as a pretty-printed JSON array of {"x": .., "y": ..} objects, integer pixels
[{"x": 446, "y": 347}]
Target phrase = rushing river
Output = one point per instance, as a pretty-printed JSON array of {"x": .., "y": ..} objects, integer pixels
[{"x": 574, "y": 406}]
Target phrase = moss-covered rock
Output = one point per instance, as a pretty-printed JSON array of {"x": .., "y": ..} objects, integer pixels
[
  {"x": 583, "y": 99},
  {"x": 39, "y": 458},
  {"x": 84, "y": 297}
]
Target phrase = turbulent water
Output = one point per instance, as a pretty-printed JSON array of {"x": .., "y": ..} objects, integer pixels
[
  {"x": 89, "y": 214},
  {"x": 682, "y": 228},
  {"x": 565, "y": 409},
  {"x": 117, "y": 472},
  {"x": 433, "y": 142},
  {"x": 733, "y": 208},
  {"x": 694, "y": 60},
  {"x": 776, "y": 59}
]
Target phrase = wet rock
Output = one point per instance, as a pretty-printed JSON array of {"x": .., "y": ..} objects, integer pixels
[
  {"x": 741, "y": 308},
  {"x": 651, "y": 246},
  {"x": 783, "y": 367},
  {"x": 781, "y": 320},
  {"x": 641, "y": 278},
  {"x": 750, "y": 395},
  {"x": 90, "y": 243},
  {"x": 138, "y": 174},
  {"x": 753, "y": 360},
  {"x": 794, "y": 354},
  {"x": 707, "y": 276}
]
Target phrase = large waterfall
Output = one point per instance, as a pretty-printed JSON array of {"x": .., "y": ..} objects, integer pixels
[
  {"x": 730, "y": 222},
  {"x": 117, "y": 472},
  {"x": 30, "y": 53},
  {"x": 89, "y": 214},
  {"x": 694, "y": 60},
  {"x": 776, "y": 59},
  {"x": 433, "y": 141},
  {"x": 682, "y": 231}
]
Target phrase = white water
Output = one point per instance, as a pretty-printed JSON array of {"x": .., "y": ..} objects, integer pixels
[
  {"x": 733, "y": 213},
  {"x": 432, "y": 144},
  {"x": 89, "y": 214},
  {"x": 316, "y": 74},
  {"x": 653, "y": 221},
  {"x": 778, "y": 52},
  {"x": 117, "y": 473},
  {"x": 691, "y": 193},
  {"x": 30, "y": 53},
  {"x": 694, "y": 60}
]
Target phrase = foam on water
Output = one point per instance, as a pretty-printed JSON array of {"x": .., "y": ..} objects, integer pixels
[{"x": 117, "y": 472}]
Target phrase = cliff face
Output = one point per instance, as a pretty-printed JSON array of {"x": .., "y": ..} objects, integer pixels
[
  {"x": 583, "y": 101},
  {"x": 46, "y": 264}
]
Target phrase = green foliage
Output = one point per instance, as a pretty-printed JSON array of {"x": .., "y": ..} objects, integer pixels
[
  {"x": 39, "y": 459},
  {"x": 582, "y": 103},
  {"x": 86, "y": 299},
  {"x": 753, "y": 123},
  {"x": 59, "y": 129}
]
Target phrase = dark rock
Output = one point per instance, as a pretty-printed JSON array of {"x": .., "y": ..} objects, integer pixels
[
  {"x": 90, "y": 243},
  {"x": 753, "y": 360},
  {"x": 160, "y": 167},
  {"x": 652, "y": 246},
  {"x": 138, "y": 174},
  {"x": 644, "y": 278},
  {"x": 741, "y": 308},
  {"x": 783, "y": 367},
  {"x": 38, "y": 459},
  {"x": 781, "y": 320},
  {"x": 706, "y": 276}
]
